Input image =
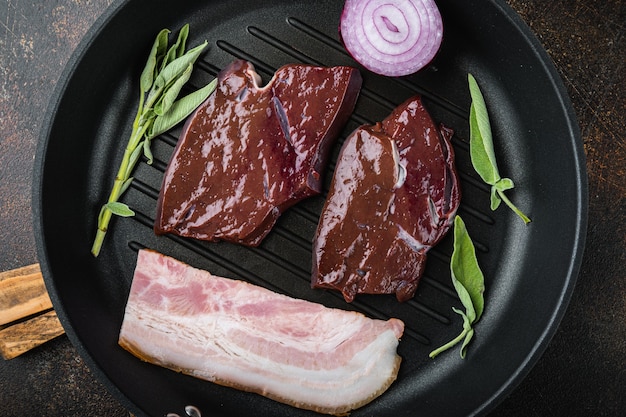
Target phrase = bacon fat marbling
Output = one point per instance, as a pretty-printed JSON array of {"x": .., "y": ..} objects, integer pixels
[{"x": 244, "y": 336}]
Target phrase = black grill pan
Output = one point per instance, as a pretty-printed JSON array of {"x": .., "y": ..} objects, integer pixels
[{"x": 530, "y": 270}]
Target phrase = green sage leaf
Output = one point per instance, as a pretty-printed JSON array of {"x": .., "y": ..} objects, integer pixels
[
  {"x": 481, "y": 140},
  {"x": 175, "y": 68},
  {"x": 495, "y": 199},
  {"x": 497, "y": 189},
  {"x": 178, "y": 48},
  {"x": 469, "y": 283},
  {"x": 181, "y": 109},
  {"x": 147, "y": 151},
  {"x": 482, "y": 152},
  {"x": 465, "y": 269},
  {"x": 125, "y": 185},
  {"x": 480, "y": 159},
  {"x": 119, "y": 209},
  {"x": 168, "y": 98},
  {"x": 466, "y": 299},
  {"x": 504, "y": 184},
  {"x": 149, "y": 71},
  {"x": 181, "y": 42},
  {"x": 132, "y": 161}
]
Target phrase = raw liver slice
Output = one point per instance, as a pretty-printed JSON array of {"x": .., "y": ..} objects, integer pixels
[
  {"x": 393, "y": 196},
  {"x": 249, "y": 152},
  {"x": 244, "y": 336}
]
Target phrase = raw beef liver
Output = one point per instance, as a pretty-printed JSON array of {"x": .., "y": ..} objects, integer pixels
[
  {"x": 393, "y": 196},
  {"x": 250, "y": 152}
]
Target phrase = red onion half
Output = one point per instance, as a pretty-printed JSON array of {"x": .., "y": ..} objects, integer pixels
[{"x": 391, "y": 37}]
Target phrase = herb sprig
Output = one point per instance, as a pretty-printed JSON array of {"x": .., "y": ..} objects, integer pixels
[
  {"x": 482, "y": 152},
  {"x": 162, "y": 79},
  {"x": 469, "y": 283}
]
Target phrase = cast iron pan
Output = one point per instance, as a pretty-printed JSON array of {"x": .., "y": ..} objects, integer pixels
[{"x": 530, "y": 270}]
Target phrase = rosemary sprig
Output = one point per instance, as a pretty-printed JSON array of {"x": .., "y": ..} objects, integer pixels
[{"x": 163, "y": 77}]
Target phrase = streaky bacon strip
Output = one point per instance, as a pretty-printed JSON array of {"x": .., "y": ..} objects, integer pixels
[{"x": 244, "y": 336}]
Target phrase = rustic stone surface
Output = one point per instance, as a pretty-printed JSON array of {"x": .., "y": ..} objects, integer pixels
[
  {"x": 583, "y": 371},
  {"x": 36, "y": 40}
]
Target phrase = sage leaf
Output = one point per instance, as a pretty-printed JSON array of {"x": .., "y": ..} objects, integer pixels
[
  {"x": 495, "y": 199},
  {"x": 148, "y": 73},
  {"x": 498, "y": 189},
  {"x": 126, "y": 184},
  {"x": 175, "y": 68},
  {"x": 465, "y": 269},
  {"x": 481, "y": 139},
  {"x": 172, "y": 92},
  {"x": 481, "y": 161},
  {"x": 504, "y": 184},
  {"x": 181, "y": 109},
  {"x": 119, "y": 209},
  {"x": 178, "y": 48},
  {"x": 182, "y": 40},
  {"x": 132, "y": 161},
  {"x": 147, "y": 151},
  {"x": 469, "y": 283},
  {"x": 482, "y": 151},
  {"x": 466, "y": 299}
]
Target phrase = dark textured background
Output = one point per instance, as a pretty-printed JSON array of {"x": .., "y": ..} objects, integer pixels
[{"x": 583, "y": 371}]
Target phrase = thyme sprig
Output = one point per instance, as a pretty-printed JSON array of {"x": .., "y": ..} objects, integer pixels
[{"x": 166, "y": 71}]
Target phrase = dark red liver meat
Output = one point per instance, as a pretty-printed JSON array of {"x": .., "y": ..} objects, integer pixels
[
  {"x": 393, "y": 196},
  {"x": 249, "y": 152}
]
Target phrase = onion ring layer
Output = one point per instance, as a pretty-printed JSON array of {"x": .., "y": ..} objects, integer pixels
[{"x": 391, "y": 37}]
